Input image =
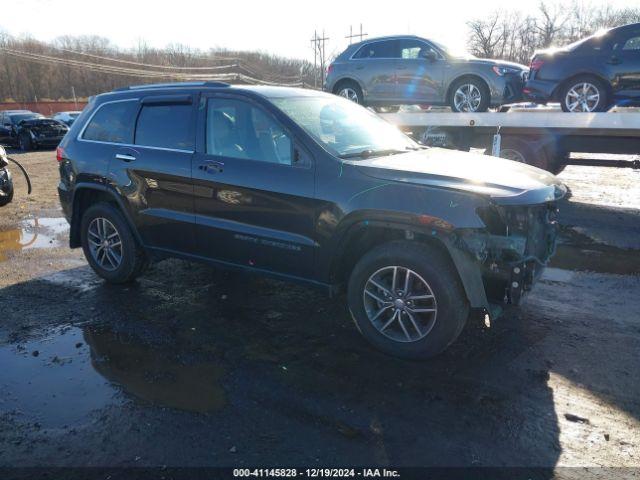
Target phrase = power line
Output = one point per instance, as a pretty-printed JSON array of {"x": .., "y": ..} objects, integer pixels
[{"x": 352, "y": 35}]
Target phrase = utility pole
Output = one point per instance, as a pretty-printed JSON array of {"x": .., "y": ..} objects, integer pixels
[
  {"x": 319, "y": 56},
  {"x": 352, "y": 35},
  {"x": 75, "y": 100}
]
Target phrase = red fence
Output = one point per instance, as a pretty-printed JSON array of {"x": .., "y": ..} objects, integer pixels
[{"x": 45, "y": 108}]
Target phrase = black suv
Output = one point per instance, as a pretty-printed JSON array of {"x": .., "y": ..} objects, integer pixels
[{"x": 310, "y": 187}]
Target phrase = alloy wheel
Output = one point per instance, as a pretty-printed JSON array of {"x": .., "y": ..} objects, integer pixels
[
  {"x": 582, "y": 97},
  {"x": 349, "y": 93},
  {"x": 467, "y": 98},
  {"x": 105, "y": 243},
  {"x": 400, "y": 304}
]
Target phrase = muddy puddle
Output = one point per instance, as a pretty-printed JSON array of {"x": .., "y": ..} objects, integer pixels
[
  {"x": 64, "y": 378},
  {"x": 33, "y": 233}
]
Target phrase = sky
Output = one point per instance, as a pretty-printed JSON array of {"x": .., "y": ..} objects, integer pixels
[{"x": 283, "y": 27}]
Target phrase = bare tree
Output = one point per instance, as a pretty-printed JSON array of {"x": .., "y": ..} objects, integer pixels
[{"x": 511, "y": 36}]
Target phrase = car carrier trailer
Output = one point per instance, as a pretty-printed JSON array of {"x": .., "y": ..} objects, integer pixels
[{"x": 544, "y": 138}]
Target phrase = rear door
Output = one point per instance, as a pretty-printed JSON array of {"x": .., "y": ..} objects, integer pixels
[
  {"x": 253, "y": 188},
  {"x": 143, "y": 146},
  {"x": 155, "y": 172},
  {"x": 419, "y": 76},
  {"x": 375, "y": 64}
]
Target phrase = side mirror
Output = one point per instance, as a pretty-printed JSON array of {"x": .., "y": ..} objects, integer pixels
[{"x": 429, "y": 55}]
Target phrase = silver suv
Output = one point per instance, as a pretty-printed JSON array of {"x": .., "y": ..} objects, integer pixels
[{"x": 399, "y": 70}]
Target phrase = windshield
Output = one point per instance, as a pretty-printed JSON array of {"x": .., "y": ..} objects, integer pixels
[
  {"x": 343, "y": 127},
  {"x": 17, "y": 118},
  {"x": 595, "y": 36}
]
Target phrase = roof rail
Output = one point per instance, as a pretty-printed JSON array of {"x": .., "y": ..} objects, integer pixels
[{"x": 172, "y": 85}]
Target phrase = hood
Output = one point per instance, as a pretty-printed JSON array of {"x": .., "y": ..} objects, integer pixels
[
  {"x": 491, "y": 62},
  {"x": 506, "y": 182}
]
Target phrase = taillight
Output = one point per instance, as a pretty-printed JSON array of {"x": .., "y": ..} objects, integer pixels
[
  {"x": 536, "y": 64},
  {"x": 330, "y": 69},
  {"x": 59, "y": 154}
]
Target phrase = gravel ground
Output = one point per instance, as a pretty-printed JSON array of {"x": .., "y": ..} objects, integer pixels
[{"x": 190, "y": 366}]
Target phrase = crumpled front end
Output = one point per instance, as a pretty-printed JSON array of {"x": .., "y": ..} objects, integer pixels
[{"x": 513, "y": 249}]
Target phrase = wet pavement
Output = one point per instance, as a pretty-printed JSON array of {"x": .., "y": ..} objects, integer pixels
[
  {"x": 190, "y": 366},
  {"x": 33, "y": 233}
]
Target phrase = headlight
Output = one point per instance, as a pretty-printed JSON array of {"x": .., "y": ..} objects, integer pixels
[{"x": 502, "y": 71}]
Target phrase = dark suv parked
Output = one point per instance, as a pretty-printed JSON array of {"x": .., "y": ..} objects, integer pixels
[
  {"x": 590, "y": 75},
  {"x": 310, "y": 187}
]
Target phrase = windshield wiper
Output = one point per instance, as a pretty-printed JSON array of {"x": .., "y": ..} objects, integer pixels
[{"x": 374, "y": 153}]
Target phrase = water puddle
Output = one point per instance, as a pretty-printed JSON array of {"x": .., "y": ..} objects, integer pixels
[
  {"x": 61, "y": 379},
  {"x": 33, "y": 233}
]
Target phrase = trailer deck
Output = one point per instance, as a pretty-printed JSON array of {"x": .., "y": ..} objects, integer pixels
[{"x": 544, "y": 138}]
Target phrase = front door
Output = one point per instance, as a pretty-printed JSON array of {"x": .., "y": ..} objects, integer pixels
[
  {"x": 420, "y": 72},
  {"x": 626, "y": 63},
  {"x": 253, "y": 189}
]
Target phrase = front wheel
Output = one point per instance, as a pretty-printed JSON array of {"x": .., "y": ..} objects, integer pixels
[
  {"x": 469, "y": 95},
  {"x": 24, "y": 142},
  {"x": 109, "y": 245},
  {"x": 406, "y": 299},
  {"x": 584, "y": 94}
]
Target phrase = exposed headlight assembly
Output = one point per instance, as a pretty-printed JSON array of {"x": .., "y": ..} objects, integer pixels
[{"x": 502, "y": 71}]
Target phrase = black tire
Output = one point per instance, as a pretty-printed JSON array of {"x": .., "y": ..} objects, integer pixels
[
  {"x": 24, "y": 142},
  {"x": 442, "y": 278},
  {"x": 522, "y": 151},
  {"x": 353, "y": 86},
  {"x": 7, "y": 199},
  {"x": 133, "y": 259},
  {"x": 603, "y": 91},
  {"x": 485, "y": 95}
]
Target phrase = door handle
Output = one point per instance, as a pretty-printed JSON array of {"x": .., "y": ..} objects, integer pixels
[
  {"x": 125, "y": 157},
  {"x": 212, "y": 167}
]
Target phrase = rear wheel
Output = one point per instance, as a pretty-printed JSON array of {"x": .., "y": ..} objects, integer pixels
[
  {"x": 109, "y": 245},
  {"x": 406, "y": 300},
  {"x": 584, "y": 94},
  {"x": 350, "y": 90}
]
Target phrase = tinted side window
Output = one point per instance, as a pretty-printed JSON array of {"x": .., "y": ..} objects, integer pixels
[
  {"x": 384, "y": 49},
  {"x": 238, "y": 129},
  {"x": 415, "y": 49},
  {"x": 113, "y": 122},
  {"x": 166, "y": 126}
]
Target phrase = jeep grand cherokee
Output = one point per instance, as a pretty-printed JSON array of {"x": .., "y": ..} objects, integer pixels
[{"x": 310, "y": 187}]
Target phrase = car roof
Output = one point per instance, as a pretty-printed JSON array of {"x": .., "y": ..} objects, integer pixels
[
  {"x": 388, "y": 37},
  {"x": 266, "y": 91}
]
